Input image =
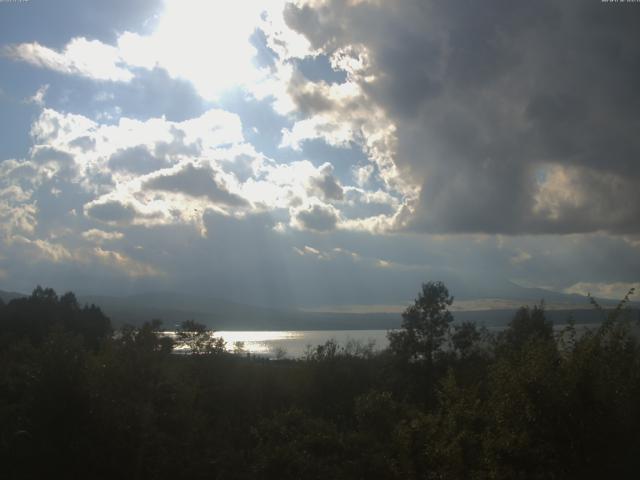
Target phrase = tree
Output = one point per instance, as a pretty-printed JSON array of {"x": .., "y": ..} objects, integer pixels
[
  {"x": 465, "y": 337},
  {"x": 425, "y": 324},
  {"x": 526, "y": 324},
  {"x": 198, "y": 339},
  {"x": 36, "y": 316}
]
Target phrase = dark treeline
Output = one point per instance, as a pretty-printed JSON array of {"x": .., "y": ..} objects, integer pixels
[{"x": 444, "y": 401}]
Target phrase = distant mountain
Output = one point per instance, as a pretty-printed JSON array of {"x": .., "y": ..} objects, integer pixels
[
  {"x": 173, "y": 308},
  {"x": 477, "y": 288},
  {"x": 8, "y": 296}
]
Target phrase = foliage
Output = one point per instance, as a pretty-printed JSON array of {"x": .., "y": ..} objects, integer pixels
[
  {"x": 425, "y": 324},
  {"x": 78, "y": 401},
  {"x": 527, "y": 324},
  {"x": 36, "y": 316},
  {"x": 198, "y": 340},
  {"x": 465, "y": 338}
]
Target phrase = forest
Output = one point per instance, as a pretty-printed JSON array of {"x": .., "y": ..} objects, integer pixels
[{"x": 446, "y": 400}]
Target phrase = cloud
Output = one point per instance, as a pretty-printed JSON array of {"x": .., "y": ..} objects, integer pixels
[
  {"x": 108, "y": 157},
  {"x": 100, "y": 236},
  {"x": 317, "y": 218},
  {"x": 44, "y": 154},
  {"x": 42, "y": 250},
  {"x": 85, "y": 144},
  {"x": 173, "y": 44},
  {"x": 520, "y": 257},
  {"x": 136, "y": 159},
  {"x": 53, "y": 253},
  {"x": 38, "y": 97},
  {"x": 111, "y": 211},
  {"x": 459, "y": 129},
  {"x": 326, "y": 184},
  {"x": 351, "y": 120},
  {"x": 387, "y": 143},
  {"x": 111, "y": 157},
  {"x": 129, "y": 266},
  {"x": 133, "y": 172},
  {"x": 615, "y": 291},
  {"x": 196, "y": 182},
  {"x": 276, "y": 185},
  {"x": 155, "y": 172},
  {"x": 18, "y": 211},
  {"x": 582, "y": 198},
  {"x": 307, "y": 250},
  {"x": 472, "y": 115},
  {"x": 87, "y": 58}
]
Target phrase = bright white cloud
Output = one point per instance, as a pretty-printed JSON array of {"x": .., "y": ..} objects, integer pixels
[
  {"x": 87, "y": 58},
  {"x": 38, "y": 97},
  {"x": 210, "y": 47},
  {"x": 158, "y": 172},
  {"x": 206, "y": 43}
]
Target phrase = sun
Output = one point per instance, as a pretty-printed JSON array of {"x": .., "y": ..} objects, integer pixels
[{"x": 207, "y": 43}]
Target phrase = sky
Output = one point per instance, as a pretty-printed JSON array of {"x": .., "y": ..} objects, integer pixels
[{"x": 320, "y": 154}]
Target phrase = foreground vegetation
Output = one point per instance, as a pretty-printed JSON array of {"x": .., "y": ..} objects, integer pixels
[{"x": 445, "y": 401}]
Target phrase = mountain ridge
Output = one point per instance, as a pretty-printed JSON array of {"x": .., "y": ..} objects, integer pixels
[{"x": 220, "y": 314}]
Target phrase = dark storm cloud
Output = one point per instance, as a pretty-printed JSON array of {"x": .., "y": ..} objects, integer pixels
[
  {"x": 513, "y": 117},
  {"x": 196, "y": 182}
]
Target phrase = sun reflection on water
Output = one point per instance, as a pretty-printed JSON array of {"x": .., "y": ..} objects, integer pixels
[
  {"x": 290, "y": 344},
  {"x": 259, "y": 343}
]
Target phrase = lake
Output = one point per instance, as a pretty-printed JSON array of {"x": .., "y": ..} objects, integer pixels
[{"x": 295, "y": 343}]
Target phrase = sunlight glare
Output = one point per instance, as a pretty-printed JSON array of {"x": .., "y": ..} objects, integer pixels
[{"x": 207, "y": 43}]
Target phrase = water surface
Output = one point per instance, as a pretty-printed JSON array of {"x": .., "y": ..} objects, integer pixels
[{"x": 295, "y": 343}]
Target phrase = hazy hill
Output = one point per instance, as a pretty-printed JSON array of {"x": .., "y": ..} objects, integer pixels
[
  {"x": 6, "y": 297},
  {"x": 173, "y": 308}
]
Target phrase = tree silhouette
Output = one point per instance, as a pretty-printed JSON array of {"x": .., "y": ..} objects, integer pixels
[
  {"x": 425, "y": 324},
  {"x": 464, "y": 337},
  {"x": 199, "y": 340},
  {"x": 34, "y": 317},
  {"x": 526, "y": 324}
]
